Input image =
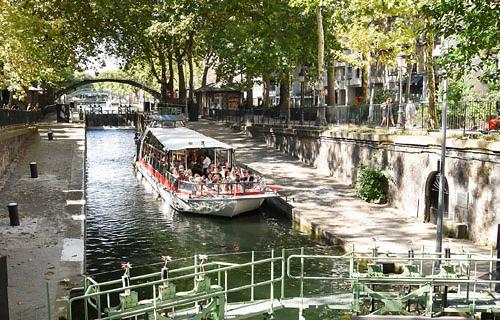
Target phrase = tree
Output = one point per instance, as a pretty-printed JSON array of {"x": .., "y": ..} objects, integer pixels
[
  {"x": 472, "y": 32},
  {"x": 375, "y": 32},
  {"x": 36, "y": 47}
]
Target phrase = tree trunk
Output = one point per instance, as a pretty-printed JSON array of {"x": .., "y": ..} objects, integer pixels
[
  {"x": 321, "y": 114},
  {"x": 205, "y": 75},
  {"x": 189, "y": 47},
  {"x": 180, "y": 75},
  {"x": 163, "y": 77},
  {"x": 365, "y": 84},
  {"x": 385, "y": 84},
  {"x": 284, "y": 93},
  {"x": 170, "y": 84},
  {"x": 371, "y": 92},
  {"x": 331, "y": 83},
  {"x": 265, "y": 94},
  {"x": 431, "y": 82},
  {"x": 408, "y": 82},
  {"x": 250, "y": 98}
]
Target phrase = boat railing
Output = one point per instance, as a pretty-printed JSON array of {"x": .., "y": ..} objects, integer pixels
[
  {"x": 198, "y": 189},
  {"x": 224, "y": 188},
  {"x": 216, "y": 188}
]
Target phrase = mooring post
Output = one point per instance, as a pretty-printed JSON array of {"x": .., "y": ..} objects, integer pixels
[
  {"x": 497, "y": 270},
  {"x": 33, "y": 170},
  {"x": 13, "y": 214},
  {"x": 50, "y": 135},
  {"x": 4, "y": 297}
]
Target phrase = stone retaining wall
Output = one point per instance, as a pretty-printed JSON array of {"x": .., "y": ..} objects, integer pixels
[
  {"x": 12, "y": 140},
  {"x": 472, "y": 170}
]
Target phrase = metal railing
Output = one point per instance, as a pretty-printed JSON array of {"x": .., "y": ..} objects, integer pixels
[
  {"x": 18, "y": 117},
  {"x": 199, "y": 189},
  {"x": 465, "y": 116},
  {"x": 429, "y": 284},
  {"x": 117, "y": 299}
]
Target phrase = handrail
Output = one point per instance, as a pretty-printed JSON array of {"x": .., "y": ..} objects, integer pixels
[
  {"x": 221, "y": 188},
  {"x": 94, "y": 291},
  {"x": 363, "y": 285}
]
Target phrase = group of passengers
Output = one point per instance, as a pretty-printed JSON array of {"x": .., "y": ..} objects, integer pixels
[{"x": 203, "y": 175}]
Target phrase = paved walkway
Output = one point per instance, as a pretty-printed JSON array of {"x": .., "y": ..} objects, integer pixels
[
  {"x": 47, "y": 246},
  {"x": 331, "y": 208}
]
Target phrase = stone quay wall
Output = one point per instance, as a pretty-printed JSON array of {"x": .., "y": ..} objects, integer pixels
[
  {"x": 12, "y": 141},
  {"x": 472, "y": 171}
]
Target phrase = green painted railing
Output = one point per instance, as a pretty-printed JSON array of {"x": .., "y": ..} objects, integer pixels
[{"x": 418, "y": 283}]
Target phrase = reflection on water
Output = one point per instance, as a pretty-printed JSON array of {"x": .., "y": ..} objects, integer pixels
[{"x": 127, "y": 223}]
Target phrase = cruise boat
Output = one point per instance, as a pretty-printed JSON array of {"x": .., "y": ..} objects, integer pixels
[{"x": 197, "y": 174}]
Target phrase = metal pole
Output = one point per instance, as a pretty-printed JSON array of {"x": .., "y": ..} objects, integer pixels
[
  {"x": 439, "y": 235},
  {"x": 497, "y": 271},
  {"x": 465, "y": 116},
  {"x": 4, "y": 297},
  {"x": 252, "y": 289},
  {"x": 49, "y": 313},
  {"x": 302, "y": 102}
]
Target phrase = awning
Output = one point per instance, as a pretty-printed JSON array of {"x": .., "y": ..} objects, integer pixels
[{"x": 183, "y": 138}]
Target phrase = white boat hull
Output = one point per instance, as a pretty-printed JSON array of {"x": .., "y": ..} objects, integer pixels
[{"x": 224, "y": 206}]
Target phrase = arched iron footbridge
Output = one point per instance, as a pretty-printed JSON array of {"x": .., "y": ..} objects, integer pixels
[{"x": 73, "y": 86}]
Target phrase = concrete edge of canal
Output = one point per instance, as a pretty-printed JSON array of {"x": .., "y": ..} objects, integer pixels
[{"x": 301, "y": 221}]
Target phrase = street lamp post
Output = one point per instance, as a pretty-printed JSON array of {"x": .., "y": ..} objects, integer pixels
[
  {"x": 348, "y": 79},
  {"x": 302, "y": 78},
  {"x": 439, "y": 225}
]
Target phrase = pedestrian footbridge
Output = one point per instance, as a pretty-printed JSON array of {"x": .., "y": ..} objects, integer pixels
[{"x": 409, "y": 285}]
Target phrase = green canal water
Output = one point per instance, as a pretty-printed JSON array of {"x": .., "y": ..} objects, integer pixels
[{"x": 126, "y": 222}]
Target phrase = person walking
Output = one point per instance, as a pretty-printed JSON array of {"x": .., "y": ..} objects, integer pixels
[
  {"x": 410, "y": 113},
  {"x": 387, "y": 113}
]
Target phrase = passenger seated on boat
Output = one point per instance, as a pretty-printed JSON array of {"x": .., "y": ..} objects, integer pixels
[
  {"x": 198, "y": 187},
  {"x": 189, "y": 175},
  {"x": 175, "y": 173},
  {"x": 248, "y": 176},
  {"x": 207, "y": 162}
]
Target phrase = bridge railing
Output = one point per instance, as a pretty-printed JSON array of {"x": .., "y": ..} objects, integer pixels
[{"x": 17, "y": 117}]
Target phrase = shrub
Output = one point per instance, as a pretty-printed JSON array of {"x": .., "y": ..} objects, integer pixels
[{"x": 372, "y": 183}]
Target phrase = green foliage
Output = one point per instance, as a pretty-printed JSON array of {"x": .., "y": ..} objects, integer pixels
[
  {"x": 473, "y": 28},
  {"x": 372, "y": 183},
  {"x": 381, "y": 95},
  {"x": 457, "y": 91}
]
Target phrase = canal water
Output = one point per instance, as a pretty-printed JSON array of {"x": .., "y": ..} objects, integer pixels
[{"x": 126, "y": 222}]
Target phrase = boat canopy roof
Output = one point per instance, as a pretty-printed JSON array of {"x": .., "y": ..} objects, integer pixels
[{"x": 183, "y": 138}]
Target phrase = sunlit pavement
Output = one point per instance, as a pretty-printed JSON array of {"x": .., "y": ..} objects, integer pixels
[
  {"x": 47, "y": 247},
  {"x": 330, "y": 207}
]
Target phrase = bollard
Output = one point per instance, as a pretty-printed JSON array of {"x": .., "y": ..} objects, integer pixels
[
  {"x": 4, "y": 297},
  {"x": 13, "y": 214},
  {"x": 50, "y": 135},
  {"x": 33, "y": 169}
]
